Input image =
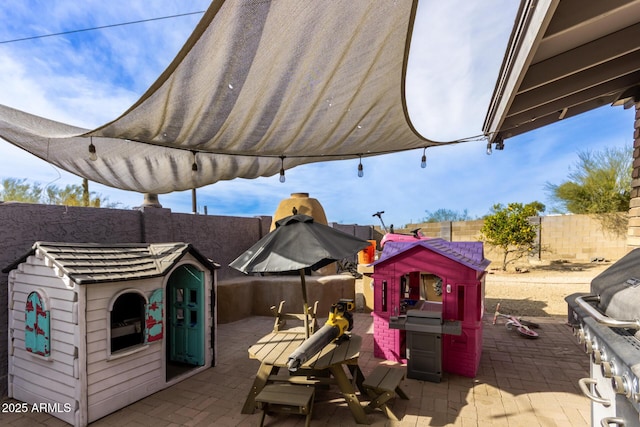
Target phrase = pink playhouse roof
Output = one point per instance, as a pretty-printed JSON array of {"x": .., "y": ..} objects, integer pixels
[{"x": 470, "y": 254}]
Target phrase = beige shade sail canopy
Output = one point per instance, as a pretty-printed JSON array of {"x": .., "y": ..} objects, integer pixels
[{"x": 258, "y": 86}]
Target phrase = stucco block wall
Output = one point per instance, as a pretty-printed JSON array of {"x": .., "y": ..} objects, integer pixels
[
  {"x": 255, "y": 295},
  {"x": 220, "y": 238}
]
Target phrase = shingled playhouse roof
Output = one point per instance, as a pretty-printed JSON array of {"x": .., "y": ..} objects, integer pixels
[
  {"x": 470, "y": 254},
  {"x": 87, "y": 263}
]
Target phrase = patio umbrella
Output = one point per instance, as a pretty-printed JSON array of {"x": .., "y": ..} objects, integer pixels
[{"x": 298, "y": 243}]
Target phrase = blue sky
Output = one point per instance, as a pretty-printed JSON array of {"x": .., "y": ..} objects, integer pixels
[{"x": 89, "y": 78}]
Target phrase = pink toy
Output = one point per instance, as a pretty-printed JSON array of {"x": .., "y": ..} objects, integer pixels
[
  {"x": 435, "y": 270},
  {"x": 523, "y": 327},
  {"x": 390, "y": 236},
  {"x": 400, "y": 237}
]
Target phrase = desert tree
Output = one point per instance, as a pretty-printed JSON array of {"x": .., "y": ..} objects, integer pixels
[
  {"x": 442, "y": 215},
  {"x": 19, "y": 190},
  {"x": 509, "y": 228},
  {"x": 599, "y": 182}
]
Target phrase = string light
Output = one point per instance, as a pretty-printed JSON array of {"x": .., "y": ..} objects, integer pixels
[
  {"x": 423, "y": 161},
  {"x": 92, "y": 151},
  {"x": 282, "y": 178},
  {"x": 308, "y": 156}
]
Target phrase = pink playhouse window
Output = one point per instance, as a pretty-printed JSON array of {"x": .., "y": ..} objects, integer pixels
[
  {"x": 416, "y": 286},
  {"x": 384, "y": 296}
]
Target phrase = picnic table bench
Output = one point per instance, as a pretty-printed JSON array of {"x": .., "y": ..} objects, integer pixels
[
  {"x": 382, "y": 385},
  {"x": 288, "y": 398}
]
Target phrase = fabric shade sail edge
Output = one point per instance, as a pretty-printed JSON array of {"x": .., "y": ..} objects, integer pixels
[{"x": 244, "y": 98}]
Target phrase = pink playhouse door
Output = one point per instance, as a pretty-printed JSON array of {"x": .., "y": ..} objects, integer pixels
[{"x": 461, "y": 353}]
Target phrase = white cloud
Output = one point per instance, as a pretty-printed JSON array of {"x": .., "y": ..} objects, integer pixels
[{"x": 456, "y": 52}]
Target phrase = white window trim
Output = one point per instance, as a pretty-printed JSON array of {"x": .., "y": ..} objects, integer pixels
[{"x": 128, "y": 350}]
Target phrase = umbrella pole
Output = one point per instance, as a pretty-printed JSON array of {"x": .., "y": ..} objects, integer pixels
[{"x": 305, "y": 303}]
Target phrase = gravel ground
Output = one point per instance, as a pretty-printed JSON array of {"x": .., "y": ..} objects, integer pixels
[{"x": 540, "y": 291}]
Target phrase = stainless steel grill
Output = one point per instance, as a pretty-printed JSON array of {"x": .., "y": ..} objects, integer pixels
[{"x": 607, "y": 323}]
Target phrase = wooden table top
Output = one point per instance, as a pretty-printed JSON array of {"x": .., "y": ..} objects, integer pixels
[{"x": 275, "y": 349}]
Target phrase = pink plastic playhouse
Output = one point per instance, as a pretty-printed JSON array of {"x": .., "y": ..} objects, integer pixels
[{"x": 447, "y": 275}]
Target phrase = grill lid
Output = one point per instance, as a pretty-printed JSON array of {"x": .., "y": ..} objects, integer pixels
[{"x": 619, "y": 288}]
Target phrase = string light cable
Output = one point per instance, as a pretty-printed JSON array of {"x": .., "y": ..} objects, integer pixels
[{"x": 101, "y": 27}]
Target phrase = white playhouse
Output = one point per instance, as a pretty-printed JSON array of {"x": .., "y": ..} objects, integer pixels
[{"x": 95, "y": 327}]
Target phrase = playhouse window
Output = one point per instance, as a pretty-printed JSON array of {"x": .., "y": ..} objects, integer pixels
[
  {"x": 127, "y": 326},
  {"x": 384, "y": 295},
  {"x": 36, "y": 326}
]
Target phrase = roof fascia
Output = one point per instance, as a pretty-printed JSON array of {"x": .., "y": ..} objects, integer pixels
[{"x": 531, "y": 24}]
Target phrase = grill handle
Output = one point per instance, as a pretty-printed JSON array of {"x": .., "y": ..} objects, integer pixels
[
  {"x": 584, "y": 384},
  {"x": 583, "y": 302},
  {"x": 606, "y": 422}
]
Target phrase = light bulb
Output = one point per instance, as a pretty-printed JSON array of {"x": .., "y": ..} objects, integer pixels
[
  {"x": 488, "y": 149},
  {"x": 423, "y": 161},
  {"x": 282, "y": 178},
  {"x": 194, "y": 165},
  {"x": 92, "y": 153},
  {"x": 360, "y": 171}
]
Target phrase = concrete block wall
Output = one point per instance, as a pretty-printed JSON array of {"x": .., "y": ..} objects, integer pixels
[
  {"x": 222, "y": 239},
  {"x": 578, "y": 238}
]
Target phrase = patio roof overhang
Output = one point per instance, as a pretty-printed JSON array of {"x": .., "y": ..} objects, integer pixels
[{"x": 565, "y": 58}]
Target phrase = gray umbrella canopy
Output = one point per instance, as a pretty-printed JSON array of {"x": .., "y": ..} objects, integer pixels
[{"x": 298, "y": 243}]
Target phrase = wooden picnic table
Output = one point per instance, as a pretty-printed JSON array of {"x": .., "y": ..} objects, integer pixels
[{"x": 273, "y": 351}]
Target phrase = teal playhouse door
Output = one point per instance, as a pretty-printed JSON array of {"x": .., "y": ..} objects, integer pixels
[{"x": 186, "y": 316}]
